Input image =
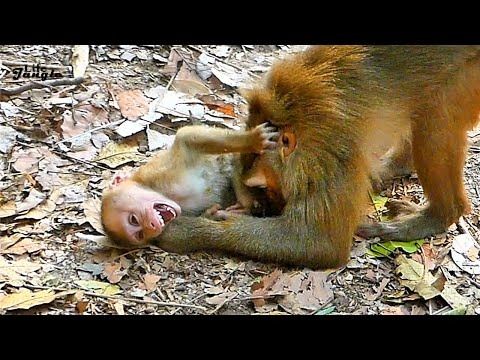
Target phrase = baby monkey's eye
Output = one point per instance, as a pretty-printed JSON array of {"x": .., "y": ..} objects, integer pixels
[
  {"x": 133, "y": 220},
  {"x": 140, "y": 235},
  {"x": 285, "y": 141}
]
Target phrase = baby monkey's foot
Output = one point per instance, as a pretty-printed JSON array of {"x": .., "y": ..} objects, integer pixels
[{"x": 264, "y": 137}]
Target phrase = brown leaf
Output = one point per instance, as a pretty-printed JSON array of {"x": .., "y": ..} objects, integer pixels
[
  {"x": 218, "y": 105},
  {"x": 24, "y": 246},
  {"x": 33, "y": 199},
  {"x": 133, "y": 104},
  {"x": 8, "y": 209},
  {"x": 150, "y": 281},
  {"x": 85, "y": 117},
  {"x": 221, "y": 299},
  {"x": 81, "y": 306},
  {"x": 25, "y": 299},
  {"x": 320, "y": 289},
  {"x": 7, "y": 241},
  {"x": 26, "y": 161},
  {"x": 113, "y": 155},
  {"x": 113, "y": 273},
  {"x": 91, "y": 208}
]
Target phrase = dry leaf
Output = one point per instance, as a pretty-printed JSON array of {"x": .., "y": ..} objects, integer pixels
[
  {"x": 221, "y": 299},
  {"x": 132, "y": 103},
  {"x": 113, "y": 273},
  {"x": 128, "y": 127},
  {"x": 86, "y": 116},
  {"x": 7, "y": 241},
  {"x": 158, "y": 140},
  {"x": 8, "y": 209},
  {"x": 81, "y": 306},
  {"x": 25, "y": 299},
  {"x": 218, "y": 105},
  {"x": 80, "y": 60},
  {"x": 150, "y": 281},
  {"x": 91, "y": 209},
  {"x": 99, "y": 287},
  {"x": 113, "y": 155},
  {"x": 33, "y": 199},
  {"x": 118, "y": 306},
  {"x": 26, "y": 160},
  {"x": 8, "y": 137},
  {"x": 464, "y": 253},
  {"x": 23, "y": 246}
]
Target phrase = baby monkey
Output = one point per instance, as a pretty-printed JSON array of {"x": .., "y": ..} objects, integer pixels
[{"x": 202, "y": 168}]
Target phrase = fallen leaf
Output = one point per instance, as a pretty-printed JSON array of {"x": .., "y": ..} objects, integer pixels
[
  {"x": 26, "y": 161},
  {"x": 453, "y": 298},
  {"x": 221, "y": 299},
  {"x": 7, "y": 241},
  {"x": 214, "y": 290},
  {"x": 26, "y": 299},
  {"x": 132, "y": 103},
  {"x": 85, "y": 117},
  {"x": 94, "y": 269},
  {"x": 158, "y": 140},
  {"x": 99, "y": 287},
  {"x": 23, "y": 246},
  {"x": 464, "y": 248},
  {"x": 128, "y": 127},
  {"x": 113, "y": 272},
  {"x": 33, "y": 199},
  {"x": 91, "y": 209},
  {"x": 386, "y": 248},
  {"x": 113, "y": 155},
  {"x": 81, "y": 306},
  {"x": 218, "y": 105},
  {"x": 150, "y": 281},
  {"x": 416, "y": 277},
  {"x": 8, "y": 209},
  {"x": 80, "y": 60},
  {"x": 8, "y": 137},
  {"x": 118, "y": 306}
]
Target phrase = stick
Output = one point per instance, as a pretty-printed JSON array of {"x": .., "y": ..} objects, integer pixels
[
  {"x": 39, "y": 85},
  {"x": 91, "y": 131},
  {"x": 113, "y": 297}
]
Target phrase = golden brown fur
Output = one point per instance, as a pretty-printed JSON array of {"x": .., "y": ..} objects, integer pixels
[{"x": 347, "y": 106}]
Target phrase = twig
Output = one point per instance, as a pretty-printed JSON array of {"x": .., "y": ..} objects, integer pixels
[
  {"x": 91, "y": 131},
  {"x": 221, "y": 60},
  {"x": 39, "y": 85},
  {"x": 179, "y": 66},
  {"x": 119, "y": 298},
  {"x": 379, "y": 215},
  {"x": 59, "y": 153},
  {"x": 54, "y": 67}
]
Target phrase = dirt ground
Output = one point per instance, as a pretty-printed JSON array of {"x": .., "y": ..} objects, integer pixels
[{"x": 60, "y": 145}]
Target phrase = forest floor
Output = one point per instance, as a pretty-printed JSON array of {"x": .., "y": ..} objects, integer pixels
[{"x": 60, "y": 145}]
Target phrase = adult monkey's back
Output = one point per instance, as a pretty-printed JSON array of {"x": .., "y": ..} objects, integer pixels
[{"x": 347, "y": 106}]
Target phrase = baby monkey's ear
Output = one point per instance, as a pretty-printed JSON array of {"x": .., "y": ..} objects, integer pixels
[{"x": 119, "y": 177}]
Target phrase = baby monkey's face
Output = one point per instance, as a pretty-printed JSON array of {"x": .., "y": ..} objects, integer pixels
[{"x": 133, "y": 215}]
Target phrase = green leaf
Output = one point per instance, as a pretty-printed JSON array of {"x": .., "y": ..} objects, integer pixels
[
  {"x": 458, "y": 311},
  {"x": 326, "y": 311},
  {"x": 379, "y": 202},
  {"x": 386, "y": 248},
  {"x": 99, "y": 287}
]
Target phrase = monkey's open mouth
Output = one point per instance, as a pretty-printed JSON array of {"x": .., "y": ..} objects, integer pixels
[{"x": 165, "y": 213}]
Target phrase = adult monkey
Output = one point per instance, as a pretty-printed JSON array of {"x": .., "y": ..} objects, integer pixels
[{"x": 341, "y": 109}]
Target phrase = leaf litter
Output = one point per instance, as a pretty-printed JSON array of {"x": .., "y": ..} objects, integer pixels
[{"x": 61, "y": 145}]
